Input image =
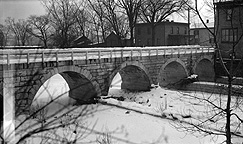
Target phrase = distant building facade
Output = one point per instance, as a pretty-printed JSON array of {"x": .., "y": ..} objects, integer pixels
[
  {"x": 112, "y": 40},
  {"x": 228, "y": 23},
  {"x": 200, "y": 35},
  {"x": 166, "y": 33},
  {"x": 229, "y": 19},
  {"x": 81, "y": 41}
]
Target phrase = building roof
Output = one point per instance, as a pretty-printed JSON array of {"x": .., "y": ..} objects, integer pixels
[
  {"x": 229, "y": 3},
  {"x": 201, "y": 26},
  {"x": 112, "y": 34},
  {"x": 81, "y": 41},
  {"x": 164, "y": 22}
]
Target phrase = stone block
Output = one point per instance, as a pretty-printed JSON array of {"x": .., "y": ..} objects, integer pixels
[
  {"x": 101, "y": 81},
  {"x": 94, "y": 74},
  {"x": 25, "y": 78},
  {"x": 89, "y": 76}
]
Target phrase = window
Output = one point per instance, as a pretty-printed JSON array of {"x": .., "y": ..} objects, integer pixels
[
  {"x": 149, "y": 31},
  {"x": 228, "y": 14},
  {"x": 229, "y": 35},
  {"x": 196, "y": 32},
  {"x": 171, "y": 31},
  {"x": 178, "y": 30}
]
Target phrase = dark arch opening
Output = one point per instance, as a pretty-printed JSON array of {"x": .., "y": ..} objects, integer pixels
[
  {"x": 134, "y": 79},
  {"x": 205, "y": 70},
  {"x": 81, "y": 88},
  {"x": 172, "y": 73}
]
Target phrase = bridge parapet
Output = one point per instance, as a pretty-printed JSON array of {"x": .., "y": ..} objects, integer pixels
[{"x": 45, "y": 55}]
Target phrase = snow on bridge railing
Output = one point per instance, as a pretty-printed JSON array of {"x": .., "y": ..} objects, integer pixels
[{"x": 10, "y": 56}]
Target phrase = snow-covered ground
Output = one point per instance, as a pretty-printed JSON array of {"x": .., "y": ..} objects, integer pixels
[{"x": 150, "y": 117}]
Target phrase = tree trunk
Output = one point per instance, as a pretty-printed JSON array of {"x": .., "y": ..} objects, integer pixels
[
  {"x": 97, "y": 35},
  {"x": 131, "y": 38},
  {"x": 228, "y": 112},
  {"x": 45, "y": 44}
]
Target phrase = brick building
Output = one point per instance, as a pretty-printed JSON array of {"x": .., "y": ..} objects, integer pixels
[
  {"x": 200, "y": 35},
  {"x": 166, "y": 33}
]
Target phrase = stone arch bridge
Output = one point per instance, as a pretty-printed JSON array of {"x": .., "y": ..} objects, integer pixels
[{"x": 89, "y": 72}]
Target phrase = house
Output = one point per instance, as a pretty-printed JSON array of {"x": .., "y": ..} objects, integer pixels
[
  {"x": 112, "y": 40},
  {"x": 229, "y": 19},
  {"x": 166, "y": 33},
  {"x": 201, "y": 35},
  {"x": 228, "y": 23},
  {"x": 81, "y": 41}
]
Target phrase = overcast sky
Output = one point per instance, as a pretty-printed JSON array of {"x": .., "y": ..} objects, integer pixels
[{"x": 22, "y": 9}]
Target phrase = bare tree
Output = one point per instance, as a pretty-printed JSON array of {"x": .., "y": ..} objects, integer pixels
[
  {"x": 98, "y": 18},
  {"x": 82, "y": 21},
  {"x": 2, "y": 37},
  {"x": 5, "y": 29},
  {"x": 132, "y": 10},
  {"x": 20, "y": 30},
  {"x": 156, "y": 11},
  {"x": 95, "y": 26},
  {"x": 63, "y": 15},
  {"x": 40, "y": 28},
  {"x": 116, "y": 19}
]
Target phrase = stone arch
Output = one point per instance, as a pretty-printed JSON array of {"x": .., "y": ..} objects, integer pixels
[
  {"x": 76, "y": 78},
  {"x": 134, "y": 76},
  {"x": 172, "y": 71},
  {"x": 204, "y": 68}
]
